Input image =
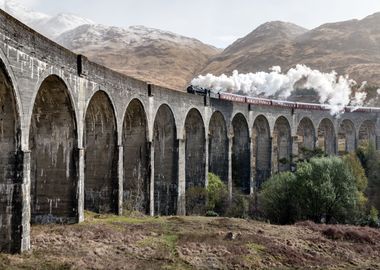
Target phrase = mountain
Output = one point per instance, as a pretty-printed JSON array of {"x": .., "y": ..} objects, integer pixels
[
  {"x": 153, "y": 55},
  {"x": 50, "y": 26},
  {"x": 349, "y": 47}
]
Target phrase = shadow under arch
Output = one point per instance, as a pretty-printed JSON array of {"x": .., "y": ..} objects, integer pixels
[
  {"x": 11, "y": 164},
  {"x": 54, "y": 159},
  {"x": 195, "y": 161},
  {"x": 346, "y": 137},
  {"x": 218, "y": 146},
  {"x": 136, "y": 188},
  {"x": 165, "y": 162},
  {"x": 367, "y": 133},
  {"x": 306, "y": 137},
  {"x": 240, "y": 155},
  {"x": 261, "y": 147},
  {"x": 281, "y": 145},
  {"x": 101, "y": 155},
  {"x": 326, "y": 137}
]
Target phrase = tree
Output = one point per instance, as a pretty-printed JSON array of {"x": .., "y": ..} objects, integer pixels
[
  {"x": 327, "y": 190},
  {"x": 217, "y": 194},
  {"x": 322, "y": 189},
  {"x": 358, "y": 171},
  {"x": 370, "y": 160},
  {"x": 277, "y": 198}
]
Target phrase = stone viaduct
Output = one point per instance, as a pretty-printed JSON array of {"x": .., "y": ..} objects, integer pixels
[{"x": 75, "y": 135}]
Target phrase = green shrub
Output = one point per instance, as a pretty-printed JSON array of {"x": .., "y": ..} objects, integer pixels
[
  {"x": 277, "y": 198},
  {"x": 240, "y": 206},
  {"x": 326, "y": 190},
  {"x": 370, "y": 160},
  {"x": 373, "y": 217},
  {"x": 196, "y": 198},
  {"x": 217, "y": 194},
  {"x": 323, "y": 189},
  {"x": 212, "y": 214}
]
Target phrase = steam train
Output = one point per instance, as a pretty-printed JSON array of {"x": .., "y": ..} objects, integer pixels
[{"x": 196, "y": 90}]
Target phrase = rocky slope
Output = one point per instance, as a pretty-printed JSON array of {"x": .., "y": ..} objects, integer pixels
[
  {"x": 152, "y": 55},
  {"x": 349, "y": 47}
]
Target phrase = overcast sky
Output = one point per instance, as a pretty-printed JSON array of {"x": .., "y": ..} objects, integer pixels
[{"x": 217, "y": 22}]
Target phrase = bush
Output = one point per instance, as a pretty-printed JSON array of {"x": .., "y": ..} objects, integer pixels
[
  {"x": 212, "y": 214},
  {"x": 358, "y": 171},
  {"x": 217, "y": 194},
  {"x": 196, "y": 198},
  {"x": 239, "y": 206},
  {"x": 276, "y": 198},
  {"x": 323, "y": 190},
  {"x": 370, "y": 160}
]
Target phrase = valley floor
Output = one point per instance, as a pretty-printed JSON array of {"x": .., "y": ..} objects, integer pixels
[{"x": 111, "y": 242}]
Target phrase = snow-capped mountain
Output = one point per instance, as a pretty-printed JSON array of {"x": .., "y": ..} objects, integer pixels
[
  {"x": 51, "y": 26},
  {"x": 97, "y": 35},
  {"x": 153, "y": 55}
]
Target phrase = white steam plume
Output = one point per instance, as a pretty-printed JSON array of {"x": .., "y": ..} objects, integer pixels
[{"x": 332, "y": 89}]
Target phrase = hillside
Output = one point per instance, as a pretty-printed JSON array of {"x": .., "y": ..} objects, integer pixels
[
  {"x": 110, "y": 242},
  {"x": 349, "y": 47},
  {"x": 153, "y": 55}
]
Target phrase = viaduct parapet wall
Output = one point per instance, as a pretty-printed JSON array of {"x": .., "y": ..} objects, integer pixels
[{"x": 75, "y": 135}]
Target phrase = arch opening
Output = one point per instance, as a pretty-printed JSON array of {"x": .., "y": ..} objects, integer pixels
[
  {"x": 218, "y": 147},
  {"x": 100, "y": 142},
  {"x": 165, "y": 162},
  {"x": 346, "y": 137},
  {"x": 195, "y": 162},
  {"x": 261, "y": 150},
  {"x": 240, "y": 156},
  {"x": 136, "y": 159},
  {"x": 326, "y": 137},
  {"x": 367, "y": 133},
  {"x": 10, "y": 166},
  {"x": 305, "y": 137},
  {"x": 282, "y": 145},
  {"x": 52, "y": 141}
]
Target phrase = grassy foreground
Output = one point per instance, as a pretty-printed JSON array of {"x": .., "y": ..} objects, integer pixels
[{"x": 111, "y": 242}]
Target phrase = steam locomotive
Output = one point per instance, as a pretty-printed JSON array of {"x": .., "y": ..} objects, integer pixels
[{"x": 196, "y": 90}]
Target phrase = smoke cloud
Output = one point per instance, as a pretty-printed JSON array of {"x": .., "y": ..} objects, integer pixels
[{"x": 336, "y": 91}]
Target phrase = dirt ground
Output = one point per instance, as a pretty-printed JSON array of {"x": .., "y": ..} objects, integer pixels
[{"x": 111, "y": 242}]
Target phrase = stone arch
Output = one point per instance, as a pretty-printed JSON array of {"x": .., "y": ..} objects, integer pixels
[
  {"x": 240, "y": 155},
  {"x": 101, "y": 159},
  {"x": 165, "y": 162},
  {"x": 195, "y": 160},
  {"x": 262, "y": 144},
  {"x": 326, "y": 137},
  {"x": 218, "y": 146},
  {"x": 54, "y": 160},
  {"x": 367, "y": 133},
  {"x": 50, "y": 73},
  {"x": 346, "y": 137},
  {"x": 305, "y": 136},
  {"x": 281, "y": 145},
  {"x": 136, "y": 158},
  {"x": 10, "y": 164}
]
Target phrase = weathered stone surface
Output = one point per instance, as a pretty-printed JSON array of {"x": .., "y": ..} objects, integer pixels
[
  {"x": 136, "y": 157},
  {"x": 240, "y": 155},
  {"x": 100, "y": 184},
  {"x": 165, "y": 163},
  {"x": 52, "y": 143},
  {"x": 195, "y": 162}
]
